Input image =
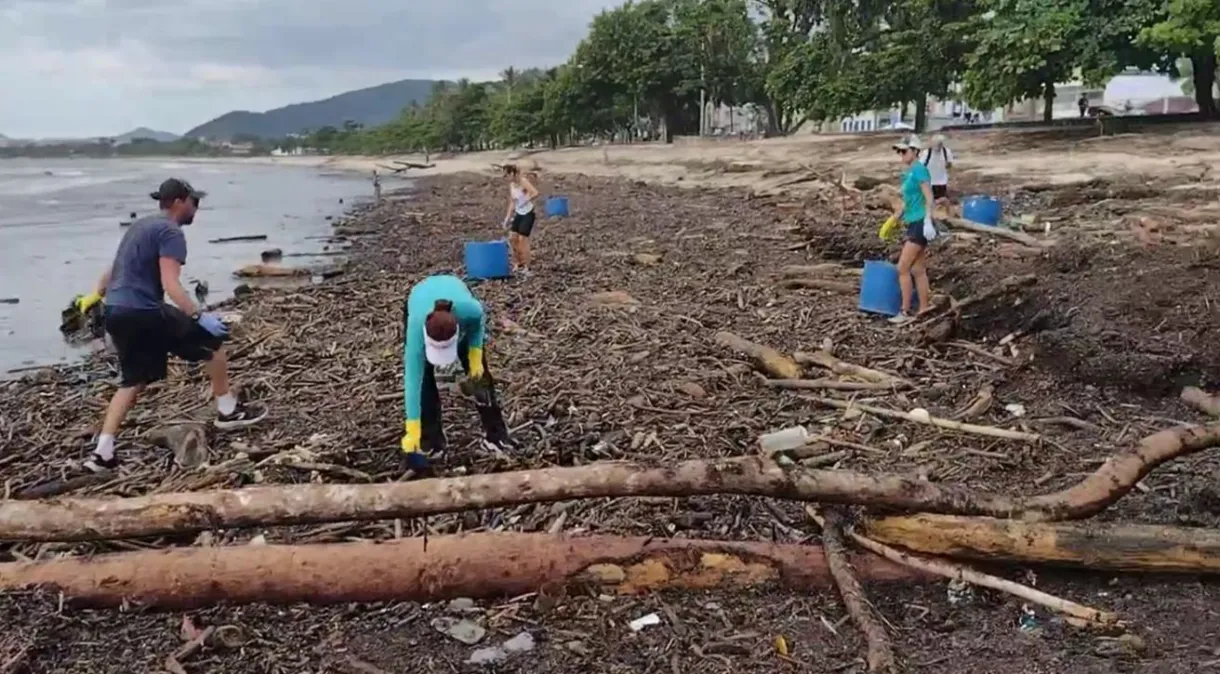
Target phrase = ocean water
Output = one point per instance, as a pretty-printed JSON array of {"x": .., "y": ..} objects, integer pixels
[{"x": 59, "y": 227}]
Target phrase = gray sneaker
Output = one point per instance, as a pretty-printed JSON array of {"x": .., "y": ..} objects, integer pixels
[
  {"x": 245, "y": 414},
  {"x": 902, "y": 319}
]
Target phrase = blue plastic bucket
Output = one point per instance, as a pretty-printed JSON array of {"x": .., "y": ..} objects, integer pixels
[
  {"x": 879, "y": 291},
  {"x": 488, "y": 260},
  {"x": 557, "y": 207},
  {"x": 982, "y": 209}
]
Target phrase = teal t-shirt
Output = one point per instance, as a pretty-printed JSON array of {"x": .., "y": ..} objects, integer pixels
[
  {"x": 420, "y": 303},
  {"x": 914, "y": 206}
]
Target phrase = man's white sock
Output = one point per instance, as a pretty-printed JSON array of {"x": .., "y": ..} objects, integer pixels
[
  {"x": 105, "y": 447},
  {"x": 226, "y": 403}
]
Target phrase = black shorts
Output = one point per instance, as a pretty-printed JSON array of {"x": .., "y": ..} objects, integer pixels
[
  {"x": 914, "y": 234},
  {"x": 145, "y": 338},
  {"x": 522, "y": 224},
  {"x": 940, "y": 191}
]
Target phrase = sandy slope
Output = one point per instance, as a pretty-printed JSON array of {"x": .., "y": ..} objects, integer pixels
[{"x": 1017, "y": 156}]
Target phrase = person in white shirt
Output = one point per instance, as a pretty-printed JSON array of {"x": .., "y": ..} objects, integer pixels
[
  {"x": 519, "y": 220},
  {"x": 938, "y": 159}
]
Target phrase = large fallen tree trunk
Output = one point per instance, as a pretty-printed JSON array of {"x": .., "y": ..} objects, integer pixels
[
  {"x": 473, "y": 565},
  {"x": 175, "y": 513},
  {"x": 1120, "y": 547}
]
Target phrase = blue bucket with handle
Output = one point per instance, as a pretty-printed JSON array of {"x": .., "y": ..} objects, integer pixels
[
  {"x": 982, "y": 209},
  {"x": 879, "y": 290},
  {"x": 556, "y": 207},
  {"x": 488, "y": 260}
]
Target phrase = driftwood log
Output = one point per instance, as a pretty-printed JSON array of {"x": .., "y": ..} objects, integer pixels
[
  {"x": 880, "y": 649},
  {"x": 474, "y": 565},
  {"x": 1093, "y": 545},
  {"x": 1201, "y": 400},
  {"x": 771, "y": 361},
  {"x": 72, "y": 519},
  {"x": 998, "y": 230},
  {"x": 1078, "y": 614}
]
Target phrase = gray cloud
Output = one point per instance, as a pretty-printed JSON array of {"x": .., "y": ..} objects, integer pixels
[{"x": 258, "y": 53}]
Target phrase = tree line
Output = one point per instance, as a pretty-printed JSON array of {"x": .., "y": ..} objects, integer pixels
[{"x": 644, "y": 67}]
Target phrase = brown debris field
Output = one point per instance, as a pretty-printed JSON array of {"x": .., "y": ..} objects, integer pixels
[{"x": 608, "y": 352}]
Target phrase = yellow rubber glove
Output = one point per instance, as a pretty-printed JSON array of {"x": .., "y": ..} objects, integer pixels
[
  {"x": 889, "y": 229},
  {"x": 475, "y": 355},
  {"x": 410, "y": 440},
  {"x": 86, "y": 302}
]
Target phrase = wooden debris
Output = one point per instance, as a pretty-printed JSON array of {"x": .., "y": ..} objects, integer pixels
[
  {"x": 834, "y": 385},
  {"x": 990, "y": 431},
  {"x": 473, "y": 565},
  {"x": 1089, "y": 616},
  {"x": 1088, "y": 545},
  {"x": 1201, "y": 400},
  {"x": 188, "y": 512},
  {"x": 880, "y": 650},
  {"x": 270, "y": 271},
  {"x": 771, "y": 361},
  {"x": 821, "y": 284},
  {"x": 840, "y": 367},
  {"x": 247, "y": 237},
  {"x": 1019, "y": 237}
]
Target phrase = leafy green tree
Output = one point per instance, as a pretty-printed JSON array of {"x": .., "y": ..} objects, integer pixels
[
  {"x": 1191, "y": 28},
  {"x": 1023, "y": 48}
]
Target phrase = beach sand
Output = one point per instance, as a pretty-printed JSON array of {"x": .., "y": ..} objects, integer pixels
[
  {"x": 1120, "y": 315},
  {"x": 1015, "y": 156}
]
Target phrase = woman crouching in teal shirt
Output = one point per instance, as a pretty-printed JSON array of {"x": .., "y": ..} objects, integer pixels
[
  {"x": 443, "y": 323},
  {"x": 916, "y": 216}
]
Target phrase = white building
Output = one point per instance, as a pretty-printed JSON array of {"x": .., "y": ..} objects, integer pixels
[{"x": 1126, "y": 93}]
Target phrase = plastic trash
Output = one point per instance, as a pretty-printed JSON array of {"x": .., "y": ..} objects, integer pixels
[
  {"x": 784, "y": 440},
  {"x": 959, "y": 592},
  {"x": 644, "y": 621}
]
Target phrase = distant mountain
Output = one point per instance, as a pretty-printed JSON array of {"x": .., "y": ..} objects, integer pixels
[
  {"x": 145, "y": 133},
  {"x": 370, "y": 107}
]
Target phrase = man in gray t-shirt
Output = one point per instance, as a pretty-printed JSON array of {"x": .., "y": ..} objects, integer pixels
[
  {"x": 145, "y": 329},
  {"x": 135, "y": 277}
]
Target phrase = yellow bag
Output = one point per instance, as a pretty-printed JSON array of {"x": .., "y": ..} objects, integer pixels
[{"x": 889, "y": 230}]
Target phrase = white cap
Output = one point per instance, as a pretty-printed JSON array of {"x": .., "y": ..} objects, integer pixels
[
  {"x": 441, "y": 353},
  {"x": 938, "y": 139},
  {"x": 910, "y": 142}
]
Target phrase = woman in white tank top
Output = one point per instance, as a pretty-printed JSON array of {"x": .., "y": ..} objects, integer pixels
[{"x": 520, "y": 217}]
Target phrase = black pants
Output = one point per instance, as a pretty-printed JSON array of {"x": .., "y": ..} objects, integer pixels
[{"x": 430, "y": 416}]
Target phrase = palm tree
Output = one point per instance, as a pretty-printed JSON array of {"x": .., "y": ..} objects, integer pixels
[{"x": 510, "y": 78}]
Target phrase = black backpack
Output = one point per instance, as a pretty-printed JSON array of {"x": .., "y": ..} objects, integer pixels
[{"x": 944, "y": 151}]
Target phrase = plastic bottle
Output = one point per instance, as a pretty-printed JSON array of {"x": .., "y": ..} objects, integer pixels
[{"x": 784, "y": 440}]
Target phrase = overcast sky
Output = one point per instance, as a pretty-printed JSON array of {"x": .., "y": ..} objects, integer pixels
[{"x": 103, "y": 67}]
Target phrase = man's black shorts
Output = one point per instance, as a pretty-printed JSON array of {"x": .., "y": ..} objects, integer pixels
[
  {"x": 523, "y": 224},
  {"x": 940, "y": 191},
  {"x": 145, "y": 338}
]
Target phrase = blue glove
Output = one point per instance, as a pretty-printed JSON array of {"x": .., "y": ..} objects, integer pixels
[{"x": 213, "y": 324}]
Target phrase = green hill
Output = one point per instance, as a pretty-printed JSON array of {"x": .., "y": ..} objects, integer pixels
[
  {"x": 145, "y": 133},
  {"x": 370, "y": 107}
]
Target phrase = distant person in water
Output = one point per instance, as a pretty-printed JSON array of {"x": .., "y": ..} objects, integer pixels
[
  {"x": 443, "y": 323},
  {"x": 520, "y": 217},
  {"x": 145, "y": 329},
  {"x": 915, "y": 213},
  {"x": 376, "y": 187}
]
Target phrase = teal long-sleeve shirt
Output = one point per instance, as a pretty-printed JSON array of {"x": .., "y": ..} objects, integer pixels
[{"x": 420, "y": 303}]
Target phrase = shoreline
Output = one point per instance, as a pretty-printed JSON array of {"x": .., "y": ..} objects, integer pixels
[{"x": 74, "y": 230}]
